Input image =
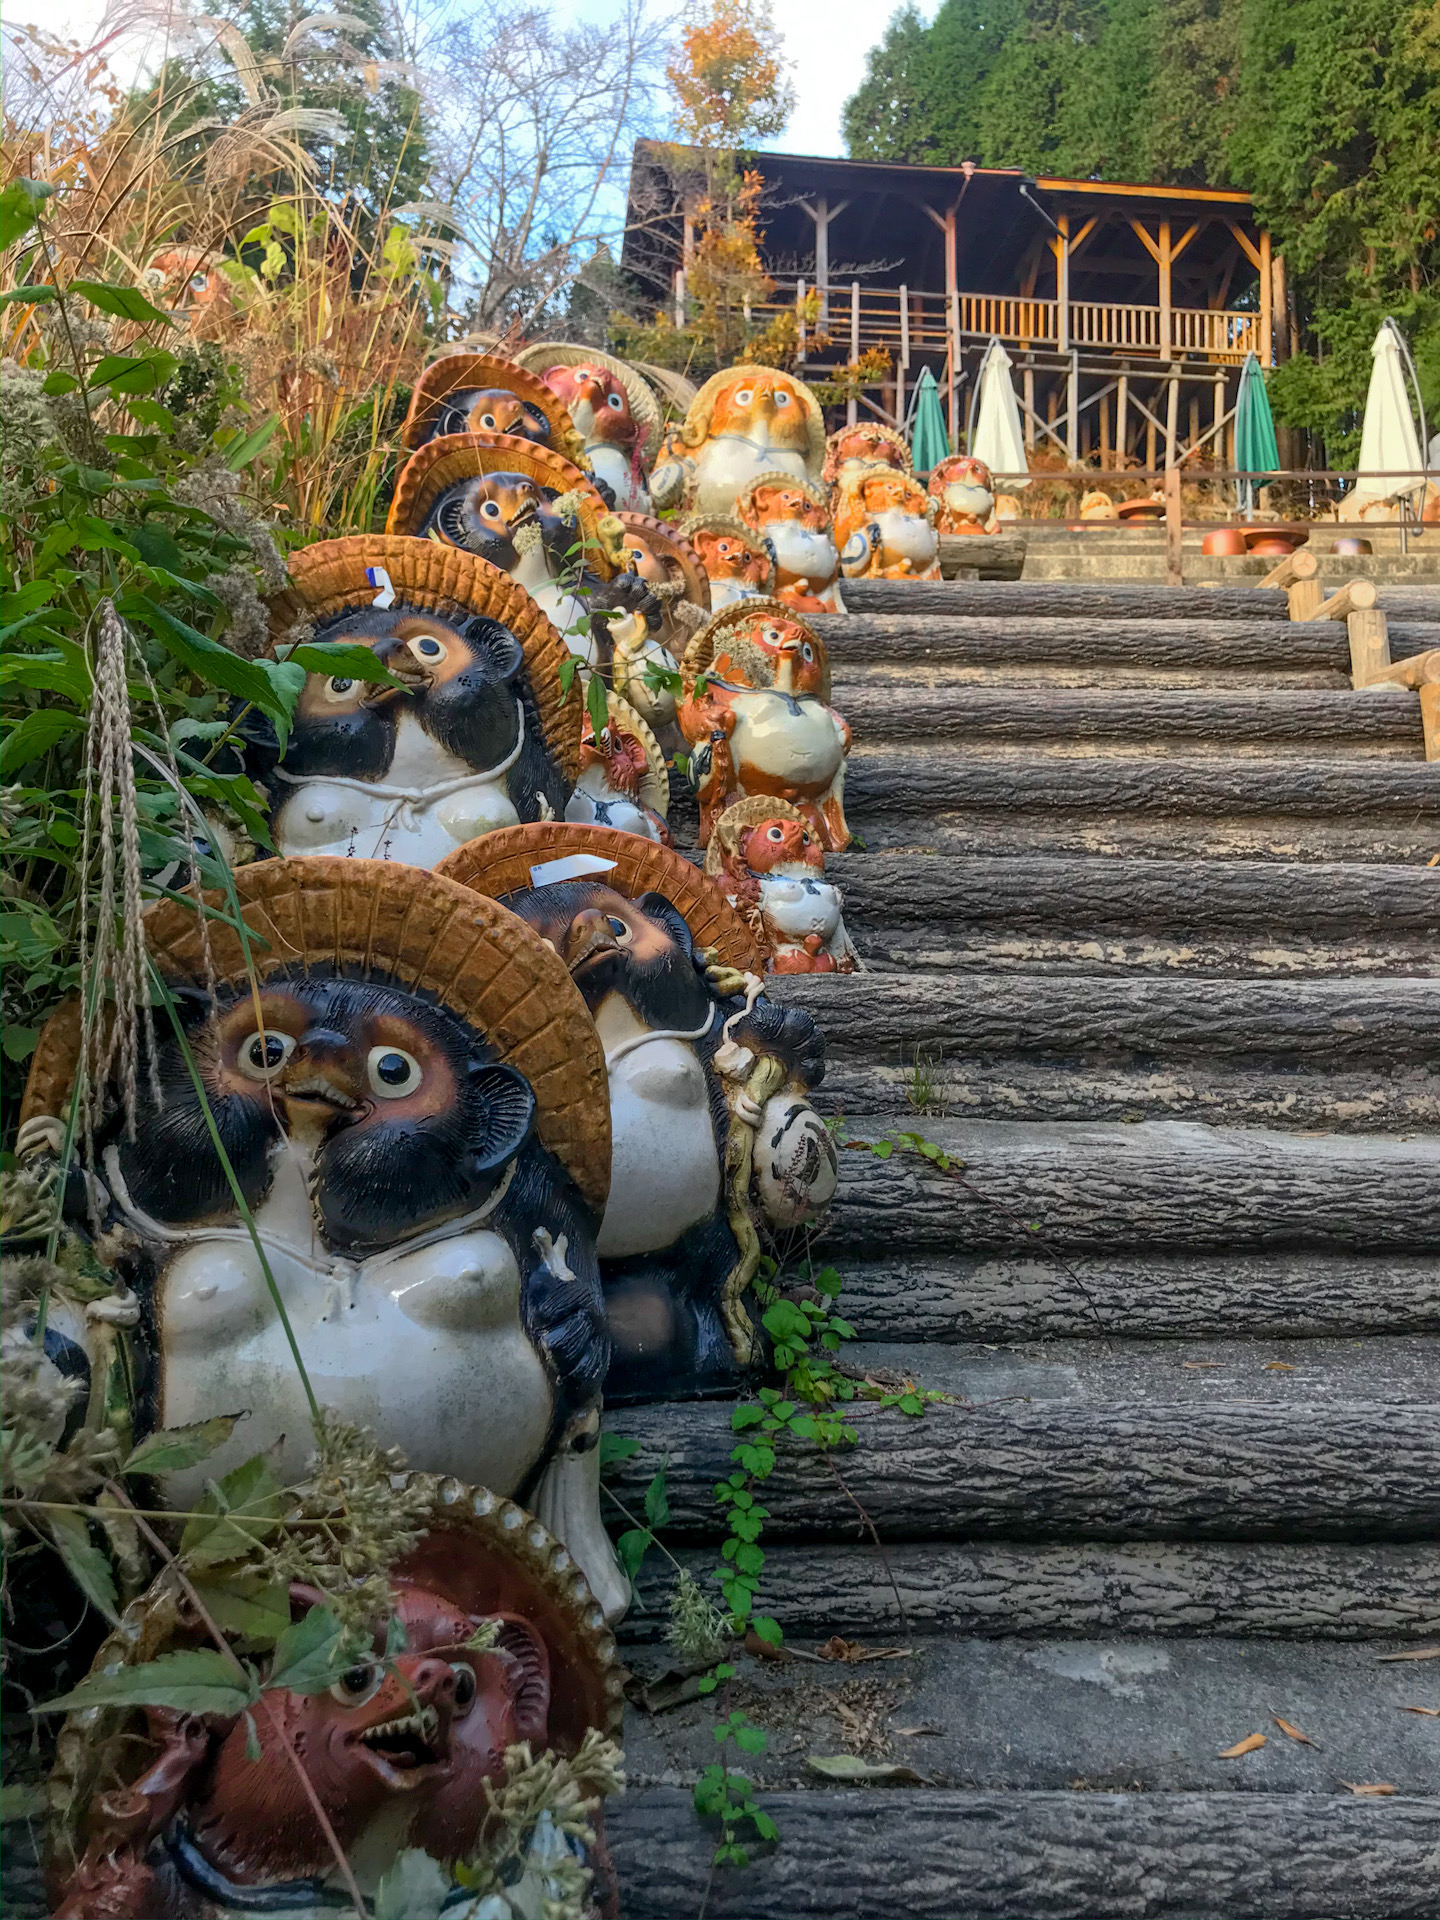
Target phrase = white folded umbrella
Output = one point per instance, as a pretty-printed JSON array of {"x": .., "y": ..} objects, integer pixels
[
  {"x": 1390, "y": 458},
  {"x": 997, "y": 436}
]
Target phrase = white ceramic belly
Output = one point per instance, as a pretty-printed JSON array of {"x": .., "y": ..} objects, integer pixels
[
  {"x": 798, "y": 908},
  {"x": 664, "y": 1170},
  {"x": 907, "y": 536},
  {"x": 724, "y": 593},
  {"x": 612, "y": 466},
  {"x": 801, "y": 748},
  {"x": 595, "y": 800},
  {"x": 724, "y": 465},
  {"x": 425, "y": 1347},
  {"x": 560, "y": 608}
]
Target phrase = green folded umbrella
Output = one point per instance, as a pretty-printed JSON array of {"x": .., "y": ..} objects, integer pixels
[
  {"x": 929, "y": 442},
  {"x": 1255, "y": 449}
]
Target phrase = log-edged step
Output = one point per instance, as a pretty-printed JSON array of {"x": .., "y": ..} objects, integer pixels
[
  {"x": 1079, "y": 1855},
  {"x": 924, "y": 599},
  {"x": 1034, "y": 1469},
  {"x": 1343, "y": 1054},
  {"x": 1120, "y": 804},
  {"x": 1079, "y": 913},
  {"x": 1409, "y": 603},
  {"x": 1001, "y": 1588},
  {"x": 1079, "y": 720},
  {"x": 1161, "y": 1185}
]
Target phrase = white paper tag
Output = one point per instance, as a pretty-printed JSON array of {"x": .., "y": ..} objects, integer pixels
[
  {"x": 574, "y": 866},
  {"x": 378, "y": 577}
]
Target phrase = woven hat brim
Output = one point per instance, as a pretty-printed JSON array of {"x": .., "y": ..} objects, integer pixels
[
  {"x": 426, "y": 932},
  {"x": 897, "y": 440},
  {"x": 777, "y": 477},
  {"x": 737, "y": 817},
  {"x": 500, "y": 863},
  {"x": 329, "y": 578},
  {"x": 643, "y": 404},
  {"x": 674, "y": 389},
  {"x": 454, "y": 371},
  {"x": 703, "y": 405},
  {"x": 710, "y": 640},
  {"x": 466, "y": 456},
  {"x": 673, "y": 546}
]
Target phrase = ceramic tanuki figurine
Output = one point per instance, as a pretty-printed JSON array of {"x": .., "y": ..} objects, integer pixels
[
  {"x": 885, "y": 527},
  {"x": 671, "y": 570},
  {"x": 965, "y": 493},
  {"x": 793, "y": 520},
  {"x": 771, "y": 868},
  {"x": 1095, "y": 505},
  {"x": 743, "y": 422},
  {"x": 623, "y": 778},
  {"x": 737, "y": 565},
  {"x": 473, "y": 732},
  {"x": 532, "y": 515},
  {"x": 712, "y": 1132},
  {"x": 487, "y": 393},
  {"x": 413, "y": 1105},
  {"x": 867, "y": 444},
  {"x": 169, "y": 1819},
  {"x": 615, "y": 414},
  {"x": 758, "y": 717}
]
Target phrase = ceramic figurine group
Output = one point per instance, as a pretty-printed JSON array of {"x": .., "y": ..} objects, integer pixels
[{"x": 473, "y": 1097}]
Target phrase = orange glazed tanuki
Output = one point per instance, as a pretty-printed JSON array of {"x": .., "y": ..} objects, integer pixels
[{"x": 885, "y": 527}]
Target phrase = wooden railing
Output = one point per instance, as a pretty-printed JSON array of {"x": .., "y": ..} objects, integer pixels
[{"x": 910, "y": 323}]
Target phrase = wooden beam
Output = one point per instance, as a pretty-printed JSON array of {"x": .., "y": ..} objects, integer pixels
[
  {"x": 1356, "y": 596},
  {"x": 1172, "y": 412},
  {"x": 1072, "y": 410},
  {"x": 1369, "y": 645},
  {"x": 1122, "y": 420},
  {"x": 1267, "y": 311},
  {"x": 1028, "y": 384},
  {"x": 1062, "y": 285},
  {"x": 851, "y": 410},
  {"x": 1246, "y": 244},
  {"x": 1166, "y": 324},
  {"x": 1229, "y": 260},
  {"x": 1142, "y": 233},
  {"x": 1174, "y": 544},
  {"x": 1084, "y": 233},
  {"x": 1180, "y": 245}
]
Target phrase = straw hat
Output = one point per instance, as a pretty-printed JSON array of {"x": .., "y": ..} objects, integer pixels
[
  {"x": 674, "y": 389},
  {"x": 655, "y": 781},
  {"x": 675, "y": 550},
  {"x": 777, "y": 477},
  {"x": 876, "y": 431},
  {"x": 643, "y": 405},
  {"x": 479, "y": 1551},
  {"x": 465, "y": 456},
  {"x": 500, "y": 863},
  {"x": 736, "y": 821},
  {"x": 329, "y": 578},
  {"x": 456, "y": 371},
  {"x": 714, "y": 639},
  {"x": 697, "y": 420},
  {"x": 425, "y": 932}
]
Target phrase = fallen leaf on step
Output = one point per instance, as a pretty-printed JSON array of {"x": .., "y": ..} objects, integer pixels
[
  {"x": 853, "y": 1654},
  {"x": 1199, "y": 1366},
  {"x": 766, "y": 1649},
  {"x": 1248, "y": 1745},
  {"x": 913, "y": 1733},
  {"x": 1411, "y": 1653},
  {"x": 1433, "y": 1712},
  {"x": 1293, "y": 1732},
  {"x": 849, "y": 1766},
  {"x": 1277, "y": 1366},
  {"x": 1375, "y": 1789}
]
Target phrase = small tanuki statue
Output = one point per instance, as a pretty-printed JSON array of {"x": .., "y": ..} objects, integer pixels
[
  {"x": 504, "y": 1660},
  {"x": 737, "y": 564},
  {"x": 487, "y": 393},
  {"x": 413, "y": 1106},
  {"x": 615, "y": 414},
  {"x": 771, "y": 868},
  {"x": 624, "y": 781},
  {"x": 792, "y": 518},
  {"x": 535, "y": 517},
  {"x": 885, "y": 527},
  {"x": 744, "y": 421},
  {"x": 671, "y": 569},
  {"x": 965, "y": 491},
  {"x": 866, "y": 444},
  {"x": 758, "y": 718},
  {"x": 712, "y": 1132},
  {"x": 472, "y": 729}
]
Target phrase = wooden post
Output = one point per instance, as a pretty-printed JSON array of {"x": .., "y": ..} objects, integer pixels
[
  {"x": 1356, "y": 596},
  {"x": 905, "y": 328},
  {"x": 680, "y": 296},
  {"x": 1061, "y": 246},
  {"x": 1267, "y": 295},
  {"x": 1149, "y": 444},
  {"x": 1298, "y": 574},
  {"x": 1029, "y": 385},
  {"x": 1174, "y": 547},
  {"x": 1172, "y": 410},
  {"x": 820, "y": 214},
  {"x": 952, "y": 324},
  {"x": 852, "y": 406},
  {"x": 1166, "y": 343},
  {"x": 1072, "y": 410},
  {"x": 1194, "y": 420},
  {"x": 1122, "y": 419},
  {"x": 1369, "y": 645},
  {"x": 800, "y": 319},
  {"x": 1104, "y": 432},
  {"x": 1219, "y": 448}
]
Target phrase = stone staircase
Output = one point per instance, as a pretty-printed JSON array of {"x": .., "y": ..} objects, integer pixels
[
  {"x": 1104, "y": 551},
  {"x": 1153, "y": 953}
]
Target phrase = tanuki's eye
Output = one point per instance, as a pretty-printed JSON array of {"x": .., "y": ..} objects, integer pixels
[
  {"x": 775, "y": 833},
  {"x": 782, "y": 399},
  {"x": 358, "y": 1683},
  {"x": 614, "y": 400},
  {"x": 337, "y": 687},
  {"x": 745, "y": 396},
  {"x": 262, "y": 1055},
  {"x": 807, "y": 652},
  {"x": 393, "y": 1072},
  {"x": 426, "y": 647},
  {"x": 488, "y": 420},
  {"x": 465, "y": 1684},
  {"x": 618, "y": 927},
  {"x": 491, "y": 509}
]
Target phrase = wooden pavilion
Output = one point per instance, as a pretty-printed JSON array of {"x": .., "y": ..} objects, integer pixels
[{"x": 1126, "y": 309}]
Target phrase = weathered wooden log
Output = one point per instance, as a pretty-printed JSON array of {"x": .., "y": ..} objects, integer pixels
[
  {"x": 994, "y": 556},
  {"x": 881, "y": 711},
  {"x": 1056, "y": 1470},
  {"x": 1157, "y": 1185},
  {"x": 1003, "y": 1588},
  {"x": 1015, "y": 1299},
  {"x": 925, "y": 1854},
  {"x": 1356, "y": 596},
  {"x": 1369, "y": 638},
  {"x": 1410, "y": 603},
  {"x": 1289, "y": 572},
  {"x": 1030, "y": 598}
]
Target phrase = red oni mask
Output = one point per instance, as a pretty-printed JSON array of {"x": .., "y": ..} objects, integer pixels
[
  {"x": 597, "y": 403},
  {"x": 774, "y": 845}
]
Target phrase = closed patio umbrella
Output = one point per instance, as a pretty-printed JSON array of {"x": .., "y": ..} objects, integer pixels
[
  {"x": 996, "y": 435},
  {"x": 1390, "y": 459},
  {"x": 1255, "y": 451},
  {"x": 929, "y": 442}
]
